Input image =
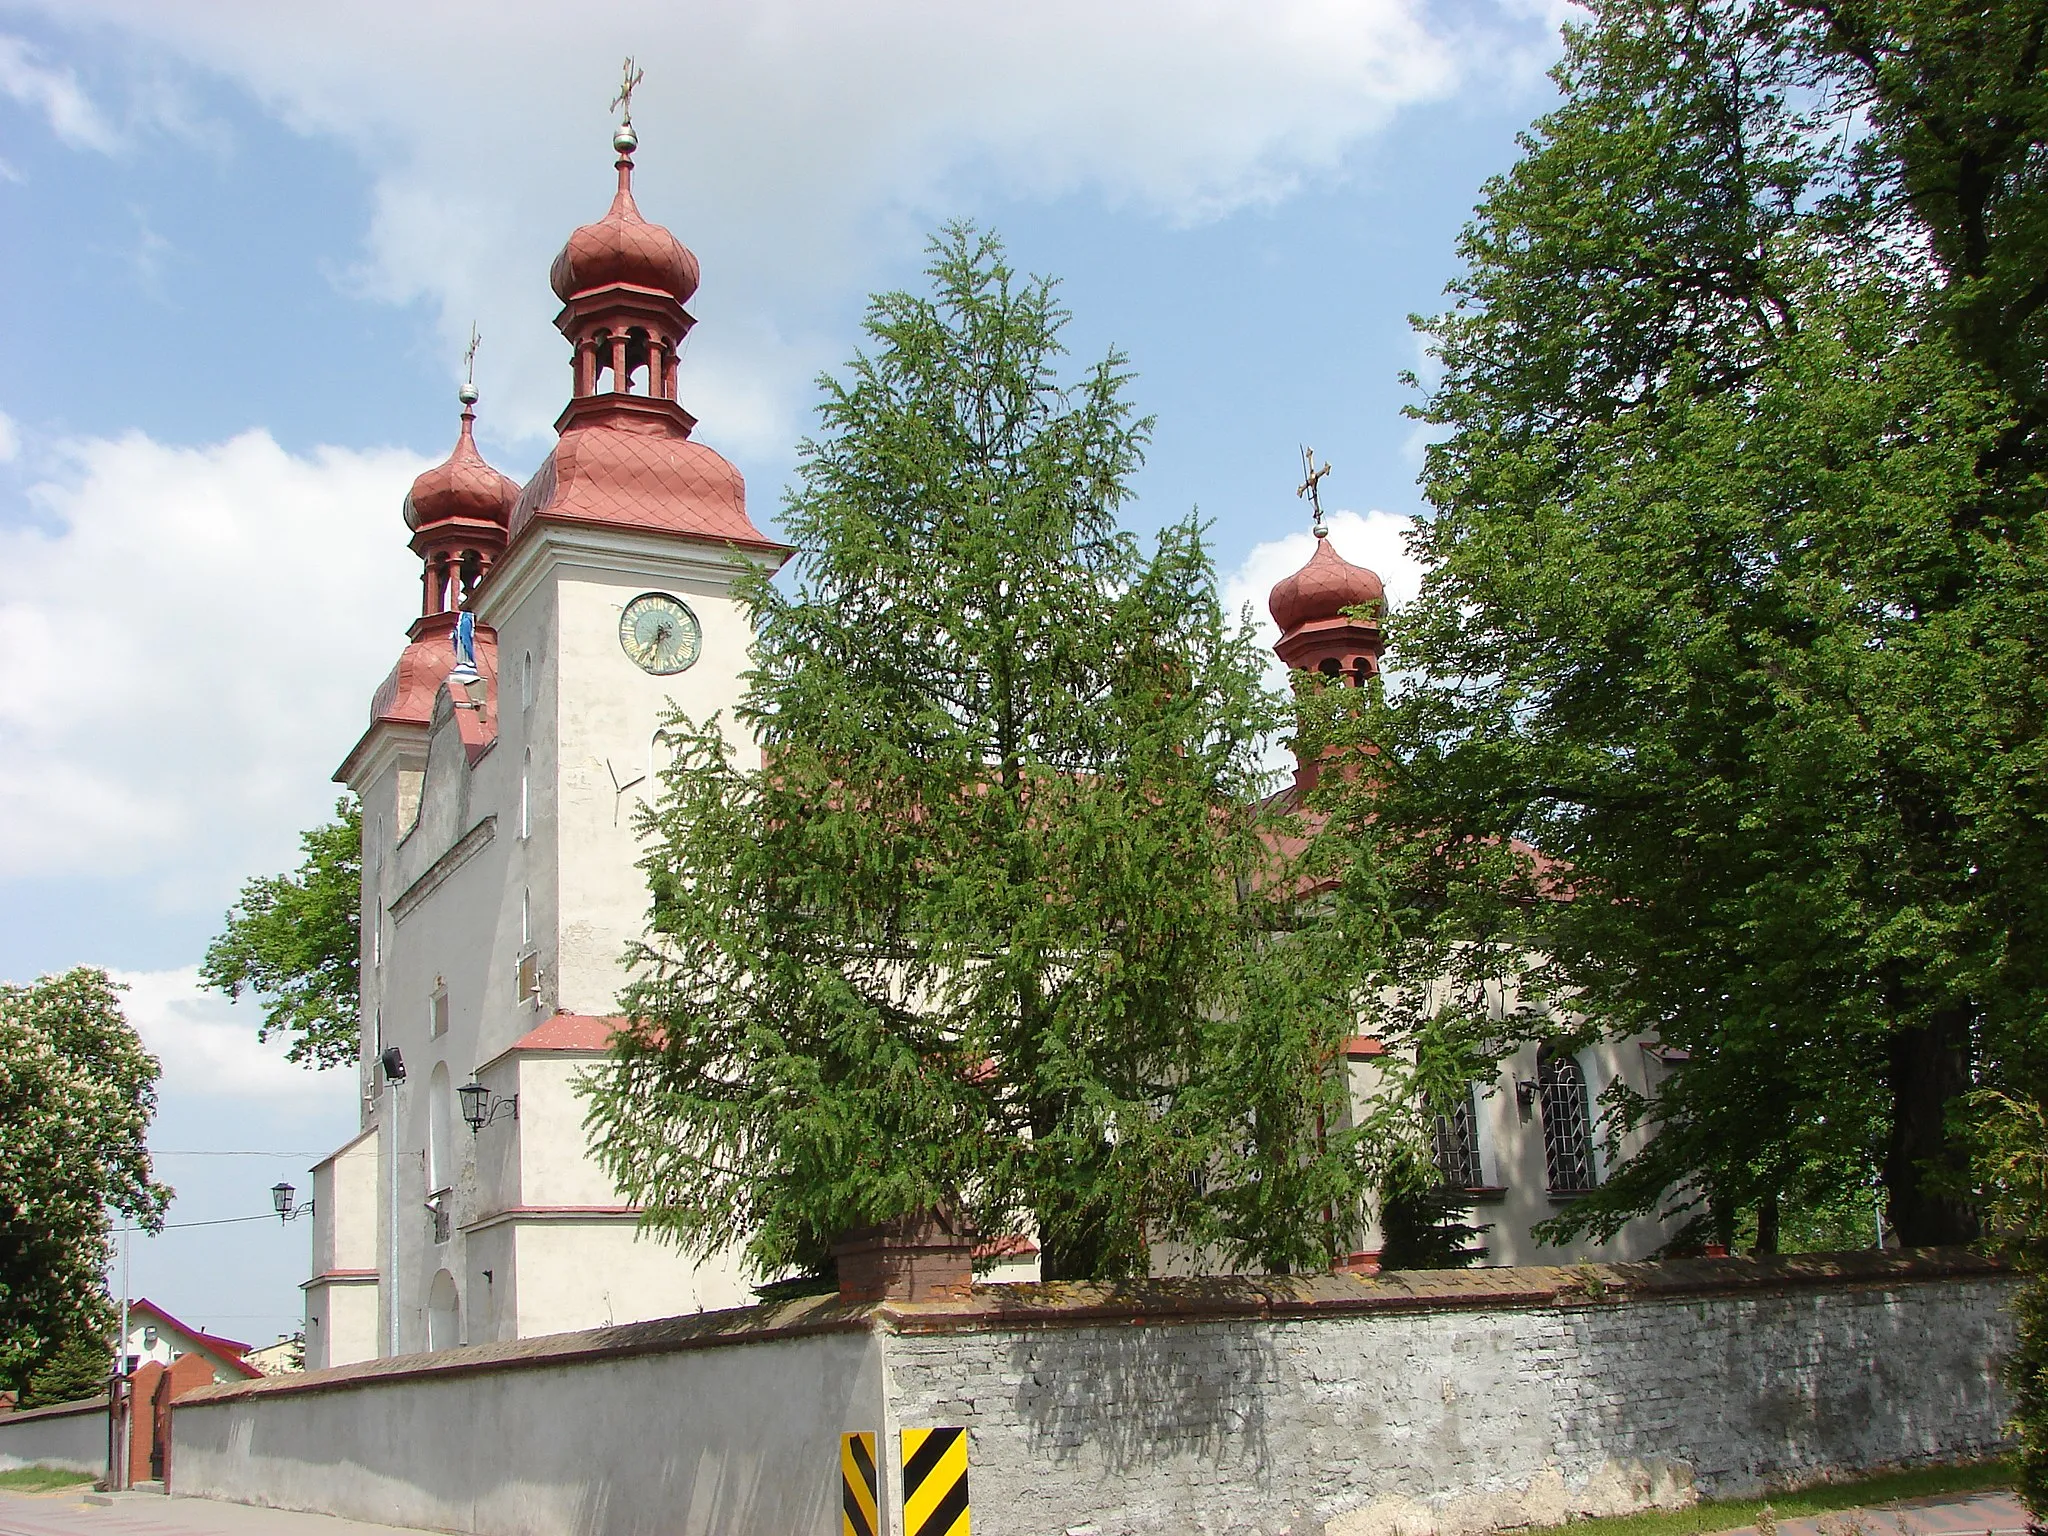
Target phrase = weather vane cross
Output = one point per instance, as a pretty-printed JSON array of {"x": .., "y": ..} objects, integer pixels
[
  {"x": 1311, "y": 488},
  {"x": 629, "y": 77},
  {"x": 469, "y": 356}
]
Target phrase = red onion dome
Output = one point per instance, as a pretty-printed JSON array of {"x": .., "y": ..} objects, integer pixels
[
  {"x": 623, "y": 248},
  {"x": 1323, "y": 589},
  {"x": 461, "y": 486}
]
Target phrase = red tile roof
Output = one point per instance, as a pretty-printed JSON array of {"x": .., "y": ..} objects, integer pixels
[
  {"x": 638, "y": 471},
  {"x": 571, "y": 1032},
  {"x": 406, "y": 696},
  {"x": 228, "y": 1352}
]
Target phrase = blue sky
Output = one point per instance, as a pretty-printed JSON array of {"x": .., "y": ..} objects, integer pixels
[{"x": 241, "y": 246}]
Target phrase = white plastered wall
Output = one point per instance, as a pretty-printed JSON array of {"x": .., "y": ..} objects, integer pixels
[{"x": 609, "y": 713}]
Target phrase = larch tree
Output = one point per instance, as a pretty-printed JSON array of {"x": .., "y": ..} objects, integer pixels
[
  {"x": 987, "y": 928},
  {"x": 77, "y": 1092},
  {"x": 295, "y": 942}
]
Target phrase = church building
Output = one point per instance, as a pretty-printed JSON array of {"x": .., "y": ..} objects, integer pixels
[{"x": 505, "y": 756}]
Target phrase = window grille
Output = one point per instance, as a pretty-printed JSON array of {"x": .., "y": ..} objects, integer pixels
[
  {"x": 1567, "y": 1123},
  {"x": 1457, "y": 1144}
]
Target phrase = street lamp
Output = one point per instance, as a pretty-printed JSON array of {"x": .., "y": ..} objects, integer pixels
[{"x": 480, "y": 1106}]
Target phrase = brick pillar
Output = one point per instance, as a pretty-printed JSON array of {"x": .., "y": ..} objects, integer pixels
[
  {"x": 921, "y": 1256},
  {"x": 142, "y": 1420}
]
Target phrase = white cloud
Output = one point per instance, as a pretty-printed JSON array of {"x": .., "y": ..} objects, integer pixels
[
  {"x": 55, "y": 93},
  {"x": 798, "y": 145},
  {"x": 207, "y": 1045},
  {"x": 189, "y": 638},
  {"x": 10, "y": 439}
]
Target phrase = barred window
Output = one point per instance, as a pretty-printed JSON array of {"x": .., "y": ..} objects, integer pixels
[
  {"x": 1457, "y": 1144},
  {"x": 1567, "y": 1123}
]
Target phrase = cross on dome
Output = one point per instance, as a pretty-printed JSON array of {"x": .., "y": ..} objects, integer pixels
[
  {"x": 623, "y": 250},
  {"x": 1317, "y": 634},
  {"x": 459, "y": 512}
]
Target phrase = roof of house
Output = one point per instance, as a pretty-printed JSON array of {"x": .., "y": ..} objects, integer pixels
[{"x": 225, "y": 1351}]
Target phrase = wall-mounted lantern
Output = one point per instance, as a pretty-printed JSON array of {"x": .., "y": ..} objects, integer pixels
[
  {"x": 480, "y": 1106},
  {"x": 281, "y": 1195}
]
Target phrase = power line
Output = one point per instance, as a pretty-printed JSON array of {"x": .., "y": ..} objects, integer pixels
[
  {"x": 173, "y": 1226},
  {"x": 179, "y": 1152}
]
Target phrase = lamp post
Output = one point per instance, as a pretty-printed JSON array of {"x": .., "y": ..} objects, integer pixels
[{"x": 393, "y": 1063}]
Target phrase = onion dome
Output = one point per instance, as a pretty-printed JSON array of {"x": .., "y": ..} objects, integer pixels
[
  {"x": 623, "y": 249},
  {"x": 462, "y": 486},
  {"x": 1323, "y": 589}
]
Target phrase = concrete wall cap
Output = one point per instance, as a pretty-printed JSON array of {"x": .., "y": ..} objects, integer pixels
[{"x": 1163, "y": 1301}]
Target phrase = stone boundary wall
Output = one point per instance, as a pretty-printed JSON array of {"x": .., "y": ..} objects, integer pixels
[
  {"x": 1403, "y": 1405},
  {"x": 68, "y": 1435}
]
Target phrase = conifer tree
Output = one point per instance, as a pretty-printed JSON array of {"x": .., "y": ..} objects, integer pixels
[{"x": 986, "y": 928}]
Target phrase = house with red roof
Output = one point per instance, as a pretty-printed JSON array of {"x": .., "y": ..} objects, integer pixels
[{"x": 155, "y": 1335}]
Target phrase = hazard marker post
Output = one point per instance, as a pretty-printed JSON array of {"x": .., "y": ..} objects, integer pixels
[
  {"x": 935, "y": 1482},
  {"x": 860, "y": 1509}
]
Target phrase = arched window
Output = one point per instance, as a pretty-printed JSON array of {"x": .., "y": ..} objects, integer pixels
[
  {"x": 526, "y": 680},
  {"x": 526, "y": 794},
  {"x": 440, "y": 1130},
  {"x": 444, "y": 1313},
  {"x": 1457, "y": 1143},
  {"x": 1567, "y": 1123}
]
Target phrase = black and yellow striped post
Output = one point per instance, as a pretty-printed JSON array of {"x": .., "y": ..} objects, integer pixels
[
  {"x": 859, "y": 1506},
  {"x": 935, "y": 1482}
]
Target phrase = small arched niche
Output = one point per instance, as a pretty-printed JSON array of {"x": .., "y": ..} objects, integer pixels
[
  {"x": 444, "y": 1313},
  {"x": 440, "y": 1130}
]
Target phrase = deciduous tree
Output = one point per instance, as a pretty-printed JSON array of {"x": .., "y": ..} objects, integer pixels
[
  {"x": 295, "y": 942},
  {"x": 1736, "y": 554},
  {"x": 77, "y": 1091}
]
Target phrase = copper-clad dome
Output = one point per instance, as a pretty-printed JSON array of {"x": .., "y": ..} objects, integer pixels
[
  {"x": 1323, "y": 589},
  {"x": 623, "y": 248},
  {"x": 461, "y": 486}
]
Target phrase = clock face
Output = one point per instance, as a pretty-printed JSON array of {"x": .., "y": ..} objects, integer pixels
[{"x": 660, "y": 634}]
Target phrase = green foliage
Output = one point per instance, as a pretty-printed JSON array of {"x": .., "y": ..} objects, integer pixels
[
  {"x": 1735, "y": 566},
  {"x": 41, "y": 1479},
  {"x": 296, "y": 941},
  {"x": 1424, "y": 1225},
  {"x": 77, "y": 1368},
  {"x": 1886, "y": 1491},
  {"x": 2010, "y": 1130},
  {"x": 982, "y": 930},
  {"x": 77, "y": 1092}
]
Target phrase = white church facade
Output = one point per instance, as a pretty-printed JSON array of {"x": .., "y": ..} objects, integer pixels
[{"x": 500, "y": 884}]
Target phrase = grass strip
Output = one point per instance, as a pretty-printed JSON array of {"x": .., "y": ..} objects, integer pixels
[
  {"x": 1793, "y": 1503},
  {"x": 41, "y": 1479}
]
